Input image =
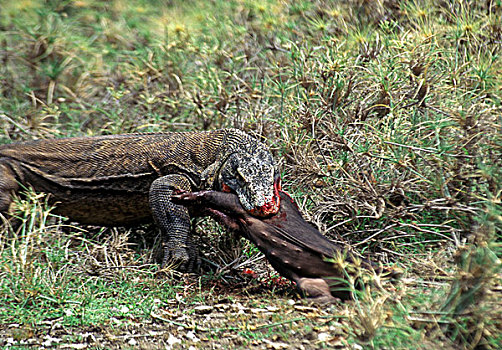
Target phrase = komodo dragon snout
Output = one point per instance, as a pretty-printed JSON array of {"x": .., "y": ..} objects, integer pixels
[{"x": 251, "y": 177}]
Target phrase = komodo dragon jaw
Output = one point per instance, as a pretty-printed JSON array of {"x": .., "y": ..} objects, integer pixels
[
  {"x": 251, "y": 177},
  {"x": 272, "y": 205}
]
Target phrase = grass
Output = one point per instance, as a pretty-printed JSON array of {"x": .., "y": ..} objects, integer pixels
[{"x": 384, "y": 117}]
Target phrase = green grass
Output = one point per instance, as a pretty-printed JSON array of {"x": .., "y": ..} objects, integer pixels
[
  {"x": 48, "y": 276},
  {"x": 384, "y": 117}
]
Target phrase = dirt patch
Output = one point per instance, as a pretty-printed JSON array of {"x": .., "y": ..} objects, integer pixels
[{"x": 231, "y": 321}]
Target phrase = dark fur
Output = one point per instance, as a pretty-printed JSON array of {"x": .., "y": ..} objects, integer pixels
[{"x": 295, "y": 248}]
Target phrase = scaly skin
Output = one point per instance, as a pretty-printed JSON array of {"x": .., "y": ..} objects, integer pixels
[{"x": 124, "y": 180}]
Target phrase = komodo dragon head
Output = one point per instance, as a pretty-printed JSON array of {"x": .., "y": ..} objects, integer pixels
[{"x": 251, "y": 176}]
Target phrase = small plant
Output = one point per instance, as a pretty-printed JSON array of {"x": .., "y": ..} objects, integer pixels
[
  {"x": 471, "y": 298},
  {"x": 22, "y": 234}
]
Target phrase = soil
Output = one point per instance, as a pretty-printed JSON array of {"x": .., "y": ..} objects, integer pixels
[{"x": 240, "y": 316}]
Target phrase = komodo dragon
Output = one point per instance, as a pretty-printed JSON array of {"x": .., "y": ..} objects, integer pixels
[
  {"x": 295, "y": 248},
  {"x": 123, "y": 180}
]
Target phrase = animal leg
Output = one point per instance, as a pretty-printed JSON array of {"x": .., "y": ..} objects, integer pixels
[
  {"x": 174, "y": 221},
  {"x": 316, "y": 289},
  {"x": 226, "y": 203}
]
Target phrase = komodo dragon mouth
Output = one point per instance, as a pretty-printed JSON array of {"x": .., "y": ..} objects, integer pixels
[
  {"x": 271, "y": 207},
  {"x": 272, "y": 203},
  {"x": 251, "y": 175}
]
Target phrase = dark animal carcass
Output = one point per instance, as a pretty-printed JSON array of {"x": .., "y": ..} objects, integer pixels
[{"x": 295, "y": 248}]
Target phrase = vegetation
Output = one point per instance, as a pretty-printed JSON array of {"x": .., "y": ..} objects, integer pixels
[{"x": 384, "y": 117}]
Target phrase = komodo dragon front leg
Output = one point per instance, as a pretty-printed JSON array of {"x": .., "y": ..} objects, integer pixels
[{"x": 173, "y": 220}]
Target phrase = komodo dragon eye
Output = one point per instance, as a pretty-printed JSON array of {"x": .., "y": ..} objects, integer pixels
[{"x": 240, "y": 177}]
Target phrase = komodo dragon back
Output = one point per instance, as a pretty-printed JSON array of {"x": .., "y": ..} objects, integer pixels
[
  {"x": 85, "y": 161},
  {"x": 116, "y": 161}
]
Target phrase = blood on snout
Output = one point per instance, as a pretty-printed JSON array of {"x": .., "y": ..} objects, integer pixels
[{"x": 269, "y": 208}]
